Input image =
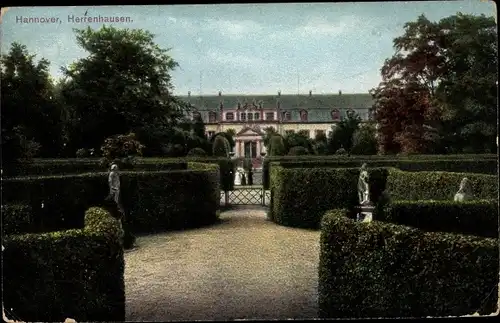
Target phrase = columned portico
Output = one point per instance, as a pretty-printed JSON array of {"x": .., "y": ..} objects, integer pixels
[{"x": 249, "y": 143}]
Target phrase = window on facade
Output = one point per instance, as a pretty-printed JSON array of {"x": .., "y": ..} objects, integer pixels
[
  {"x": 212, "y": 117},
  {"x": 287, "y": 116},
  {"x": 229, "y": 116},
  {"x": 289, "y": 132},
  {"x": 256, "y": 116},
  {"x": 335, "y": 114},
  {"x": 305, "y": 133},
  {"x": 303, "y": 115},
  {"x": 250, "y": 116},
  {"x": 269, "y": 115},
  {"x": 243, "y": 116}
]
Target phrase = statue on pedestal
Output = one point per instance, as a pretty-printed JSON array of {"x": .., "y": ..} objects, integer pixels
[
  {"x": 114, "y": 187},
  {"x": 363, "y": 187},
  {"x": 463, "y": 193}
]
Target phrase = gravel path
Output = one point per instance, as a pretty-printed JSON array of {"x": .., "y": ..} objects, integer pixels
[{"x": 245, "y": 267}]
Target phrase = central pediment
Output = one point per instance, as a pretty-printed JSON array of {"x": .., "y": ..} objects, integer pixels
[{"x": 250, "y": 131}]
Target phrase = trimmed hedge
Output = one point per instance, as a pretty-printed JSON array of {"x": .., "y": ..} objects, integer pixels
[
  {"x": 470, "y": 217},
  {"x": 16, "y": 218},
  {"x": 379, "y": 269},
  {"x": 300, "y": 196},
  {"x": 46, "y": 167},
  {"x": 154, "y": 200},
  {"x": 403, "y": 185},
  {"x": 77, "y": 273},
  {"x": 483, "y": 164}
]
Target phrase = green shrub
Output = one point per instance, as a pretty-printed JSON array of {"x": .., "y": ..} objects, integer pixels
[
  {"x": 120, "y": 146},
  {"x": 341, "y": 151},
  {"x": 197, "y": 152},
  {"x": 379, "y": 269},
  {"x": 364, "y": 141},
  {"x": 153, "y": 200},
  {"x": 16, "y": 218},
  {"x": 82, "y": 153},
  {"x": 221, "y": 147},
  {"x": 471, "y": 217},
  {"x": 403, "y": 185},
  {"x": 300, "y": 196},
  {"x": 77, "y": 273},
  {"x": 483, "y": 164},
  {"x": 277, "y": 146},
  {"x": 298, "y": 151}
]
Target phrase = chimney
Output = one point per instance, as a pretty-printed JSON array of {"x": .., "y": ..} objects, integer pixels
[
  {"x": 279, "y": 93},
  {"x": 310, "y": 93},
  {"x": 189, "y": 94},
  {"x": 220, "y": 93},
  {"x": 340, "y": 92}
]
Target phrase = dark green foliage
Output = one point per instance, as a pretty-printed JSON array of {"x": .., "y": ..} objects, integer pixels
[
  {"x": 154, "y": 200},
  {"x": 298, "y": 151},
  {"x": 302, "y": 195},
  {"x": 226, "y": 135},
  {"x": 364, "y": 141},
  {"x": 197, "y": 152},
  {"x": 16, "y": 218},
  {"x": 386, "y": 270},
  {"x": 220, "y": 147},
  {"x": 277, "y": 146},
  {"x": 471, "y": 217},
  {"x": 485, "y": 164},
  {"x": 438, "y": 185},
  {"x": 77, "y": 273}
]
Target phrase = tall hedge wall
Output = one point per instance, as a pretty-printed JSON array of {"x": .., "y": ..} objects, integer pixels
[
  {"x": 154, "y": 200},
  {"x": 43, "y": 167},
  {"x": 380, "y": 269},
  {"x": 482, "y": 164},
  {"x": 403, "y": 185},
  {"x": 470, "y": 217},
  {"x": 78, "y": 273},
  {"x": 300, "y": 196}
]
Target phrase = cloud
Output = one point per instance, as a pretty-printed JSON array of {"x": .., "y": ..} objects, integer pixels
[
  {"x": 229, "y": 58},
  {"x": 233, "y": 29}
]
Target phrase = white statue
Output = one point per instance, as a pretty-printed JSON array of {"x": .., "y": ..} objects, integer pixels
[
  {"x": 237, "y": 177},
  {"x": 363, "y": 188},
  {"x": 114, "y": 186},
  {"x": 463, "y": 193}
]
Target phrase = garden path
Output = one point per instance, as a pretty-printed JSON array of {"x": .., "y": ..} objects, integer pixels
[{"x": 244, "y": 267}]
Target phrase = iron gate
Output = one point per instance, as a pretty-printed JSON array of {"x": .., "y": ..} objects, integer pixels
[{"x": 247, "y": 194}]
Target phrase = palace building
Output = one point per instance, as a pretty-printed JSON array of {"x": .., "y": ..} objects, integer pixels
[{"x": 249, "y": 115}]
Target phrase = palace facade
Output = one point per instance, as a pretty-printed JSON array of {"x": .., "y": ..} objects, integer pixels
[{"x": 249, "y": 115}]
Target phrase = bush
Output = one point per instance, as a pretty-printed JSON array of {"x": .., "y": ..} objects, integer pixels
[
  {"x": 403, "y": 185},
  {"x": 16, "y": 219},
  {"x": 482, "y": 164},
  {"x": 153, "y": 201},
  {"x": 380, "y": 269},
  {"x": 82, "y": 153},
  {"x": 220, "y": 147},
  {"x": 76, "y": 273},
  {"x": 121, "y": 146},
  {"x": 197, "y": 152},
  {"x": 471, "y": 217},
  {"x": 277, "y": 146},
  {"x": 364, "y": 141},
  {"x": 341, "y": 151},
  {"x": 298, "y": 151}
]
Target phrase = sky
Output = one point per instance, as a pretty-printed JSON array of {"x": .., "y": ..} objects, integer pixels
[{"x": 247, "y": 48}]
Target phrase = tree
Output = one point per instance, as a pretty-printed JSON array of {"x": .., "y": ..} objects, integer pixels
[
  {"x": 298, "y": 139},
  {"x": 268, "y": 133},
  {"x": 446, "y": 72},
  {"x": 341, "y": 135},
  {"x": 31, "y": 117},
  {"x": 123, "y": 85},
  {"x": 221, "y": 147},
  {"x": 364, "y": 141},
  {"x": 228, "y": 137},
  {"x": 277, "y": 146},
  {"x": 320, "y": 143}
]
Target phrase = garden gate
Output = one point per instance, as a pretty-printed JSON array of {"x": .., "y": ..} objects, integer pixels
[{"x": 247, "y": 192}]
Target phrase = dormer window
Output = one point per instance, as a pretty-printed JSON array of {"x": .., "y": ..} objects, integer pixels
[
  {"x": 287, "y": 116},
  {"x": 212, "y": 117},
  {"x": 335, "y": 114},
  {"x": 303, "y": 115},
  {"x": 229, "y": 116}
]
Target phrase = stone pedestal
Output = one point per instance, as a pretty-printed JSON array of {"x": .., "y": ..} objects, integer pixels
[{"x": 364, "y": 213}]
